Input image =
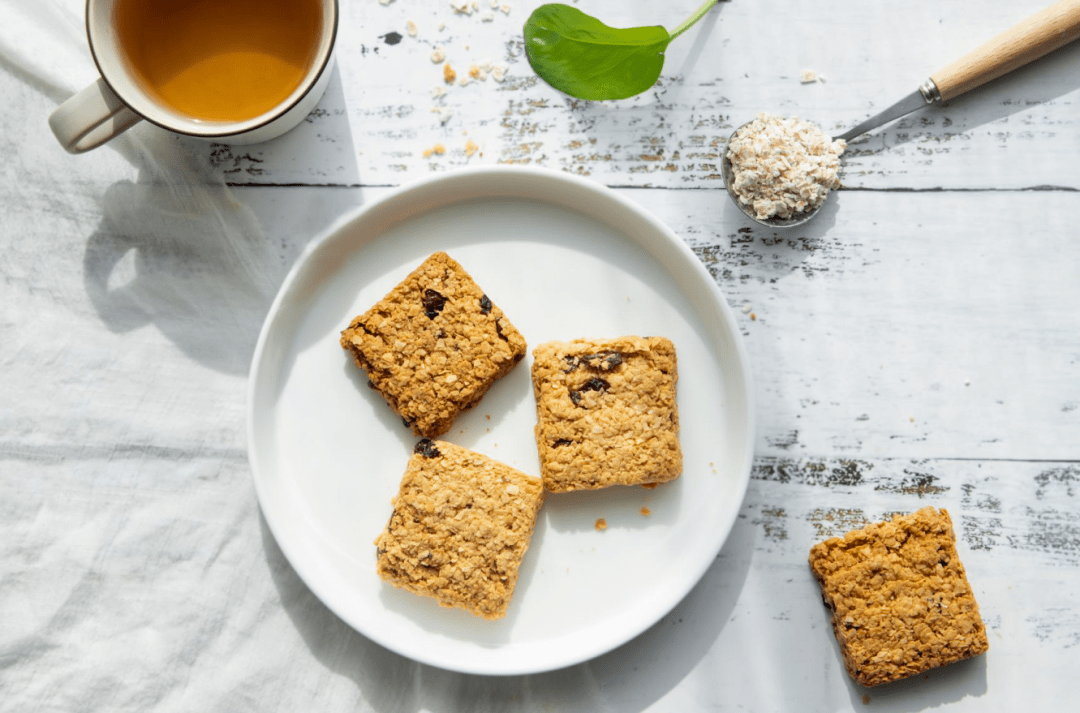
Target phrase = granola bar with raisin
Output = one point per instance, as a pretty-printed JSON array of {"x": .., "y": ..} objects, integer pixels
[
  {"x": 434, "y": 345},
  {"x": 606, "y": 412}
]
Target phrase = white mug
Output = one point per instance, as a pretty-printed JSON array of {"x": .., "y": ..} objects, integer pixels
[{"x": 117, "y": 101}]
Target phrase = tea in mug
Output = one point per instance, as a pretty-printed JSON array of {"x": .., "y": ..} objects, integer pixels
[{"x": 219, "y": 60}]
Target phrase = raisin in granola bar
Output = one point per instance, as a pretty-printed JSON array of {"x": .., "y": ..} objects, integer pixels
[
  {"x": 900, "y": 600},
  {"x": 434, "y": 345},
  {"x": 460, "y": 527},
  {"x": 606, "y": 412}
]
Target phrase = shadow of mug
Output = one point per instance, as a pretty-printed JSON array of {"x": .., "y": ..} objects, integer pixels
[
  {"x": 183, "y": 249},
  {"x": 177, "y": 249}
]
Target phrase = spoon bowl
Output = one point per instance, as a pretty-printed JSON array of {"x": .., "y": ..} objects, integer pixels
[{"x": 727, "y": 171}]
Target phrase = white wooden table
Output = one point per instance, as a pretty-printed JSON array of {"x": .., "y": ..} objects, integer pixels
[{"x": 918, "y": 344}]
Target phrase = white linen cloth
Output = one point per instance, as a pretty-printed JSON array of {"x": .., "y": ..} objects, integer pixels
[{"x": 135, "y": 572}]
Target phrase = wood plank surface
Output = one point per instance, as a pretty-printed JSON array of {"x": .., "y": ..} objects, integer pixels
[{"x": 373, "y": 129}]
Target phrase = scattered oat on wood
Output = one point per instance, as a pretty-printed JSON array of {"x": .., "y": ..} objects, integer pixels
[{"x": 436, "y": 150}]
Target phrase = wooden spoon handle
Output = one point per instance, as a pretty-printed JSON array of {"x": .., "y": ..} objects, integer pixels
[{"x": 1040, "y": 34}]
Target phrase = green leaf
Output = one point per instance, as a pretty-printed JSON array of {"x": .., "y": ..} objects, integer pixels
[{"x": 579, "y": 55}]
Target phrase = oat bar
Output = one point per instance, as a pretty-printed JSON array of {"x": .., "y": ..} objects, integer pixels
[
  {"x": 900, "y": 601},
  {"x": 434, "y": 345},
  {"x": 460, "y": 527},
  {"x": 606, "y": 412}
]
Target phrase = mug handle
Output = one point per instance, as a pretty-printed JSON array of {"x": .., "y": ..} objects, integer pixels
[{"x": 90, "y": 118}]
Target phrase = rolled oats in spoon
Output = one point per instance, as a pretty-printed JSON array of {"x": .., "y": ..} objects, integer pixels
[{"x": 779, "y": 170}]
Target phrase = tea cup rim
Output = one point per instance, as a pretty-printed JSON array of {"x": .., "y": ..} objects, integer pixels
[{"x": 147, "y": 108}]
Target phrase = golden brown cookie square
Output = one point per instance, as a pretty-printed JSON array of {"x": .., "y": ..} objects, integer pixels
[
  {"x": 901, "y": 602},
  {"x": 434, "y": 345},
  {"x": 606, "y": 412},
  {"x": 459, "y": 529}
]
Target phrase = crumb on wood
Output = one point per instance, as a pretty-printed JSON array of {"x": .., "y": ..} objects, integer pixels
[
  {"x": 463, "y": 7},
  {"x": 443, "y": 112},
  {"x": 436, "y": 150}
]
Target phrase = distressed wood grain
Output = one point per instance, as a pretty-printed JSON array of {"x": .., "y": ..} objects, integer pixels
[{"x": 379, "y": 117}]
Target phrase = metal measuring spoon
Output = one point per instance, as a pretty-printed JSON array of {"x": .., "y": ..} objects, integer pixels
[
  {"x": 727, "y": 171},
  {"x": 1036, "y": 36}
]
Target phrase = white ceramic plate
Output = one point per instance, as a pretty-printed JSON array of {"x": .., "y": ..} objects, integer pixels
[{"x": 564, "y": 258}]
